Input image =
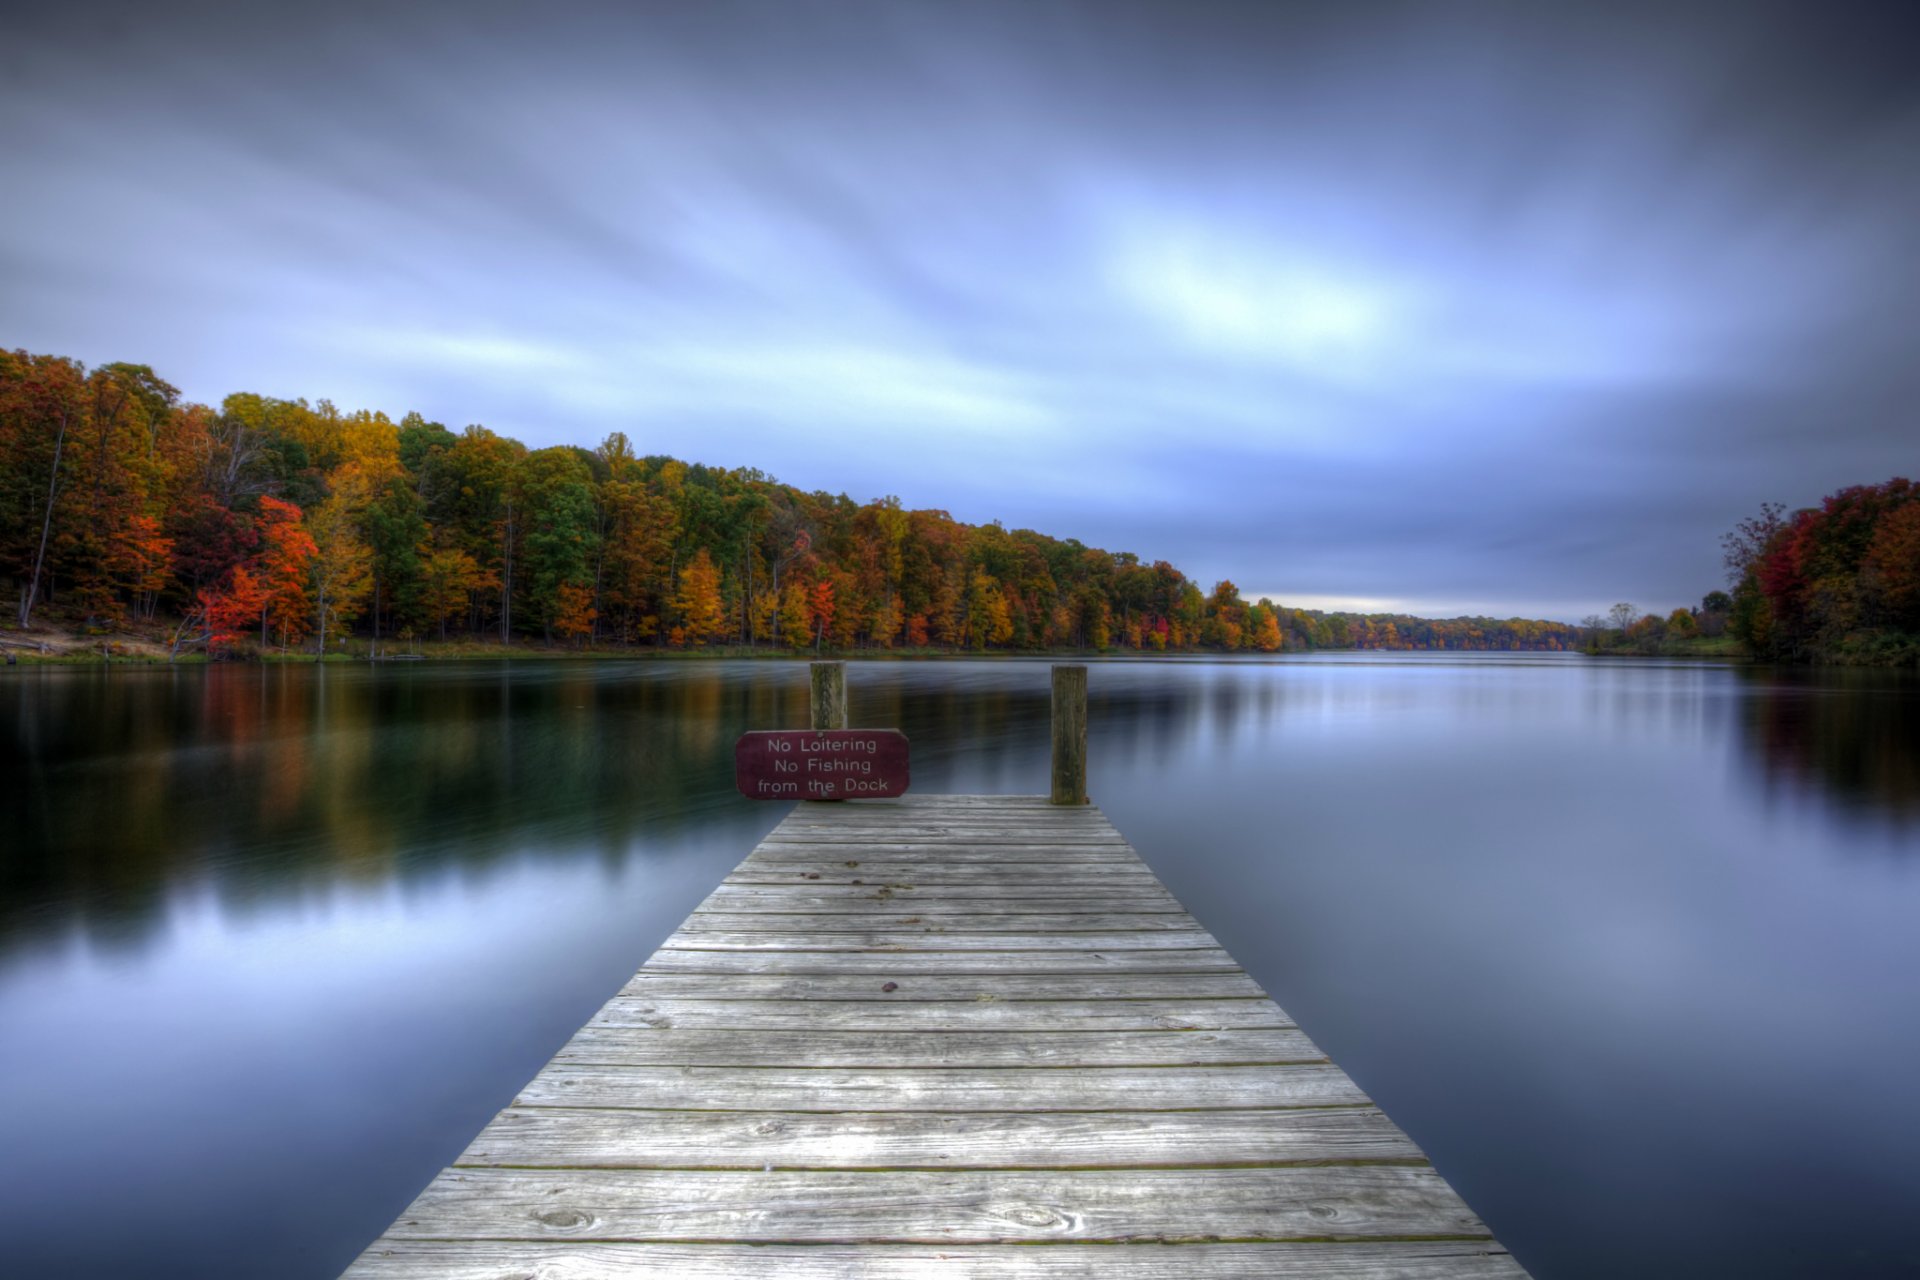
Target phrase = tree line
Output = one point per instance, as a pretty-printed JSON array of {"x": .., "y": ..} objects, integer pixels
[{"x": 277, "y": 523}]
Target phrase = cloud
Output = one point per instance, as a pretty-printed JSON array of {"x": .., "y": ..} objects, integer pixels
[{"x": 1525, "y": 306}]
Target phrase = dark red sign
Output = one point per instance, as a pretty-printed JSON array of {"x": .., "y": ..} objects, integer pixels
[{"x": 834, "y": 764}]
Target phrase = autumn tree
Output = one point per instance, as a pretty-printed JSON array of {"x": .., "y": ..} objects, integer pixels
[
  {"x": 698, "y": 601},
  {"x": 145, "y": 562},
  {"x": 988, "y": 621},
  {"x": 283, "y": 571},
  {"x": 448, "y": 579},
  {"x": 796, "y": 617},
  {"x": 231, "y": 611},
  {"x": 340, "y": 572},
  {"x": 1264, "y": 628},
  {"x": 41, "y": 403},
  {"x": 574, "y": 612}
]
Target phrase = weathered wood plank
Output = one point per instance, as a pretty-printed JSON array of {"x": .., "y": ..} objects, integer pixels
[
  {"x": 930, "y": 872},
  {"x": 577, "y": 1260},
  {"x": 901, "y": 850},
  {"x": 1025, "y": 845},
  {"x": 911, "y": 812},
  {"x": 1314, "y": 1084},
  {"x": 1044, "y": 898},
  {"x": 598, "y": 1138},
  {"x": 827, "y": 689},
  {"x": 971, "y": 871},
  {"x": 891, "y": 964},
  {"x": 935, "y": 828},
  {"x": 898, "y": 921},
  {"x": 988, "y": 1207},
  {"x": 941, "y": 799},
  {"x": 646, "y": 1046},
  {"x": 920, "y": 988},
  {"x": 987, "y": 1014},
  {"x": 1069, "y": 734},
  {"x": 943, "y": 830},
  {"x": 935, "y": 940}
]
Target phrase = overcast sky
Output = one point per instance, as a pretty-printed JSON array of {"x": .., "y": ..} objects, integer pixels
[{"x": 1505, "y": 308}]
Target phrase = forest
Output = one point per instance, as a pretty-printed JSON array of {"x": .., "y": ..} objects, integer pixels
[
  {"x": 271, "y": 526},
  {"x": 1839, "y": 582}
]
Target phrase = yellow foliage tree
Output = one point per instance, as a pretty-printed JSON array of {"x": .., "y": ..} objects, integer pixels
[
  {"x": 698, "y": 600},
  {"x": 989, "y": 620},
  {"x": 796, "y": 617},
  {"x": 574, "y": 614}
]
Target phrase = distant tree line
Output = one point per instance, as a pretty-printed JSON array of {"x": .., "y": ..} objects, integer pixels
[
  {"x": 1625, "y": 629},
  {"x": 1836, "y": 583},
  {"x": 269, "y": 523}
]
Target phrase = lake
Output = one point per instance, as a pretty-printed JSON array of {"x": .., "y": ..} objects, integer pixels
[{"x": 1631, "y": 948}]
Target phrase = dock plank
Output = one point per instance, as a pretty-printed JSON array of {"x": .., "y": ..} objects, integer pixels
[
  {"x": 1010, "y": 982},
  {"x": 930, "y": 922},
  {"x": 946, "y": 1036},
  {"x": 999, "y": 1206},
  {"x": 571, "y": 1138},
  {"x": 981, "y": 1014},
  {"x": 891, "y": 964},
  {"x": 568, "y": 1260},
  {"x": 650, "y": 1046},
  {"x": 952, "y": 1089},
  {"x": 697, "y": 939}
]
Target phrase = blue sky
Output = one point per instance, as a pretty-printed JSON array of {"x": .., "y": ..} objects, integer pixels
[{"x": 1505, "y": 308}]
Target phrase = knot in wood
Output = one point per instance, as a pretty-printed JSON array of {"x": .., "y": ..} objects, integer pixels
[{"x": 1040, "y": 1217}]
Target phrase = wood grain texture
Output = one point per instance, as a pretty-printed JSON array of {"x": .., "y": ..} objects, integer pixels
[
  {"x": 915, "y": 939},
  {"x": 1069, "y": 733},
  {"x": 650, "y": 1046},
  {"x": 943, "y": 833},
  {"x": 893, "y": 964},
  {"x": 912, "y": 988},
  {"x": 827, "y": 687},
  {"x": 783, "y": 851},
  {"x": 929, "y": 871},
  {"x": 565, "y": 1137},
  {"x": 897, "y": 920},
  {"x": 986, "y": 1013},
  {"x": 971, "y": 897},
  {"x": 978, "y": 1206},
  {"x": 569, "y": 1260},
  {"x": 940, "y": 1037},
  {"x": 952, "y": 1089}
]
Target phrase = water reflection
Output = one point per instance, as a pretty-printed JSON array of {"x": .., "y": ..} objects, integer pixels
[
  {"x": 124, "y": 782},
  {"x": 270, "y": 776},
  {"x": 1554, "y": 914},
  {"x": 1851, "y": 737}
]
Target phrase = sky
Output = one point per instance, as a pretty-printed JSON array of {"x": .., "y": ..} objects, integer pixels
[{"x": 1505, "y": 308}]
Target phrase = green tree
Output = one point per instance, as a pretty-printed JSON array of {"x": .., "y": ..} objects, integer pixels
[{"x": 561, "y": 523}]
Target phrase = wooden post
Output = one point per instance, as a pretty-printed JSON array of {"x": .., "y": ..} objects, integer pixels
[
  {"x": 1069, "y": 734},
  {"x": 829, "y": 695}
]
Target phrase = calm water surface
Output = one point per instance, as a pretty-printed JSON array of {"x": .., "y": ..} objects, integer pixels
[{"x": 1632, "y": 949}]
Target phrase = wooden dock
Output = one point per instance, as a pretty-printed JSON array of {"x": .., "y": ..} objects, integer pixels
[{"x": 940, "y": 1036}]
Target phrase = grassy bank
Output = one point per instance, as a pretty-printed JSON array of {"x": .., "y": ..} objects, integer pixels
[{"x": 1719, "y": 648}]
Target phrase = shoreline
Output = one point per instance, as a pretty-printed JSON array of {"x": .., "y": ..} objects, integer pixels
[{"x": 123, "y": 650}]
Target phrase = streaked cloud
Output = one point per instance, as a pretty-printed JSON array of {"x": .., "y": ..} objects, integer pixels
[{"x": 1412, "y": 306}]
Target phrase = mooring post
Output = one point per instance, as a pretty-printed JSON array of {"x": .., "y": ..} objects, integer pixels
[
  {"x": 1069, "y": 734},
  {"x": 829, "y": 695}
]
